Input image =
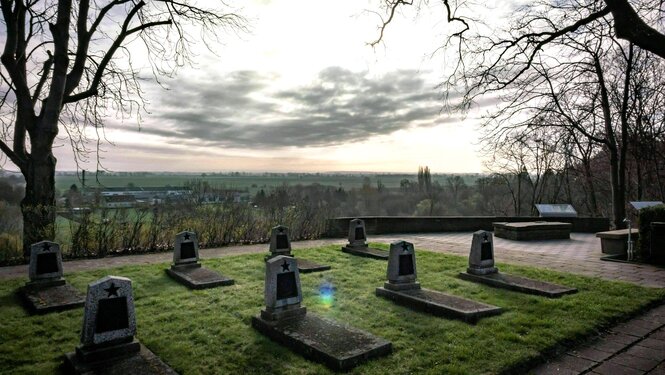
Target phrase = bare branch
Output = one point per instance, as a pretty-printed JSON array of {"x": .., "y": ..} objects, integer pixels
[{"x": 393, "y": 7}]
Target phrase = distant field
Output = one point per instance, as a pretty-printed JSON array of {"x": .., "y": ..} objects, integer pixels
[{"x": 252, "y": 182}]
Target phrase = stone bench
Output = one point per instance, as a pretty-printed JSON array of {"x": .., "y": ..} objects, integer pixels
[
  {"x": 615, "y": 242},
  {"x": 532, "y": 230}
]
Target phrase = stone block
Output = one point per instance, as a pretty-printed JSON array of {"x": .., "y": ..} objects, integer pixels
[
  {"x": 47, "y": 290},
  {"x": 532, "y": 230}
]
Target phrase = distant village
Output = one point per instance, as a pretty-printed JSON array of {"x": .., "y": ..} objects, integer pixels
[{"x": 129, "y": 197}]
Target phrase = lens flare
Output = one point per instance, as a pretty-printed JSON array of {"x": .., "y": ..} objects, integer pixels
[{"x": 326, "y": 294}]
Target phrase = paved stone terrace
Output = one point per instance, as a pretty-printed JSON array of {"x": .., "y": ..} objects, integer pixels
[{"x": 634, "y": 347}]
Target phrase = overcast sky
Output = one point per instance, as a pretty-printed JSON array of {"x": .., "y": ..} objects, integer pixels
[{"x": 302, "y": 91}]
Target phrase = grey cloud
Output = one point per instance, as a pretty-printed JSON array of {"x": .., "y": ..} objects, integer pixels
[{"x": 242, "y": 110}]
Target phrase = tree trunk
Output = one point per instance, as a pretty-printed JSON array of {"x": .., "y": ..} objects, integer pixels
[
  {"x": 618, "y": 194},
  {"x": 593, "y": 203},
  {"x": 38, "y": 206}
]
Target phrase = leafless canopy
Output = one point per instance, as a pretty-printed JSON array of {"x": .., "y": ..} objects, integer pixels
[
  {"x": 492, "y": 61},
  {"x": 65, "y": 63}
]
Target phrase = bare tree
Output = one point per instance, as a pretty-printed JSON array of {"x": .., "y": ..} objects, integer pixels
[
  {"x": 556, "y": 64},
  {"x": 65, "y": 64}
]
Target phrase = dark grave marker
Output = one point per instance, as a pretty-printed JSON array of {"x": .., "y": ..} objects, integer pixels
[
  {"x": 481, "y": 269},
  {"x": 286, "y": 285},
  {"x": 406, "y": 265},
  {"x": 402, "y": 266},
  {"x": 187, "y": 250},
  {"x": 107, "y": 339},
  {"x": 107, "y": 299},
  {"x": 360, "y": 233},
  {"x": 280, "y": 244},
  {"x": 402, "y": 288},
  {"x": 338, "y": 346},
  {"x": 486, "y": 251},
  {"x": 282, "y": 241},
  {"x": 357, "y": 242},
  {"x": 481, "y": 257},
  {"x": 47, "y": 290},
  {"x": 186, "y": 268},
  {"x": 47, "y": 263},
  {"x": 112, "y": 315}
]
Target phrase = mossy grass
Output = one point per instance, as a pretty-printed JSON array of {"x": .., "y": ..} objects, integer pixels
[{"x": 209, "y": 332}]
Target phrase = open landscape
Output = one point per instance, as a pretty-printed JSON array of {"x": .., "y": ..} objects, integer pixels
[{"x": 333, "y": 186}]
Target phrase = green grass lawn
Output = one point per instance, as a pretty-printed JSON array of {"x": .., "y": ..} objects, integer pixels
[{"x": 209, "y": 331}]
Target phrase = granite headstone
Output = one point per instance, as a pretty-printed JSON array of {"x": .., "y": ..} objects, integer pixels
[
  {"x": 358, "y": 242},
  {"x": 47, "y": 290},
  {"x": 186, "y": 248},
  {"x": 282, "y": 289},
  {"x": 357, "y": 237},
  {"x": 402, "y": 267},
  {"x": 186, "y": 268},
  {"x": 280, "y": 244},
  {"x": 107, "y": 338},
  {"x": 481, "y": 257},
  {"x": 45, "y": 262}
]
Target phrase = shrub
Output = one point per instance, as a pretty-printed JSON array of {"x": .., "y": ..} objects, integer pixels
[{"x": 648, "y": 215}]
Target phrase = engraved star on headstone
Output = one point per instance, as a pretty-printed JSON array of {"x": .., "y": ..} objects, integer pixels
[
  {"x": 405, "y": 247},
  {"x": 186, "y": 236},
  {"x": 280, "y": 230},
  {"x": 485, "y": 237},
  {"x": 285, "y": 266},
  {"x": 46, "y": 246},
  {"x": 112, "y": 290}
]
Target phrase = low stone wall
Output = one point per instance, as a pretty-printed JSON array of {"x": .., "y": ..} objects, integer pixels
[{"x": 339, "y": 227}]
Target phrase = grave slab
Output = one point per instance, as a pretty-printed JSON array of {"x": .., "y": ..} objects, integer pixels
[
  {"x": 51, "y": 298},
  {"x": 403, "y": 288},
  {"x": 284, "y": 320},
  {"x": 307, "y": 266},
  {"x": 440, "y": 304},
  {"x": 367, "y": 252},
  {"x": 338, "y": 346},
  {"x": 520, "y": 284},
  {"x": 141, "y": 362},
  {"x": 194, "y": 276},
  {"x": 280, "y": 244},
  {"x": 47, "y": 290},
  {"x": 532, "y": 230},
  {"x": 186, "y": 268}
]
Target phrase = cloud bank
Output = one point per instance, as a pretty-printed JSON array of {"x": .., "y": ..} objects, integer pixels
[{"x": 244, "y": 109}]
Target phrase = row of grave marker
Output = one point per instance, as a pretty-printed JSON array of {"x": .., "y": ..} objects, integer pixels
[{"x": 109, "y": 322}]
